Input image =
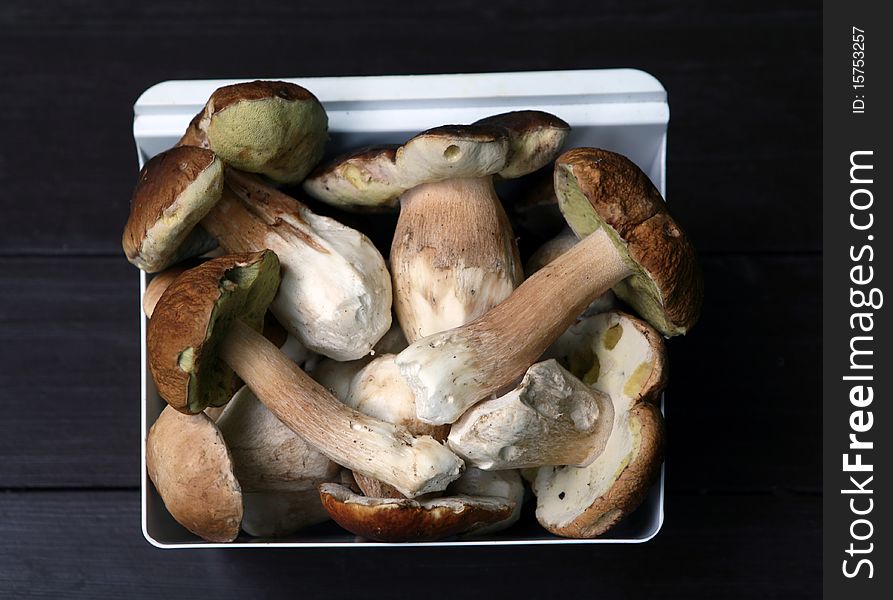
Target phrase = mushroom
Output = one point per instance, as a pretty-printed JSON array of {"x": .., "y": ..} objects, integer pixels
[
  {"x": 407, "y": 520},
  {"x": 552, "y": 418},
  {"x": 500, "y": 484},
  {"x": 632, "y": 245},
  {"x": 274, "y": 128},
  {"x": 335, "y": 295},
  {"x": 336, "y": 376},
  {"x": 188, "y": 461},
  {"x": 378, "y": 390},
  {"x": 277, "y": 470},
  {"x": 268, "y": 456},
  {"x": 158, "y": 284},
  {"x": 205, "y": 326},
  {"x": 624, "y": 358},
  {"x": 273, "y": 331},
  {"x": 454, "y": 254}
]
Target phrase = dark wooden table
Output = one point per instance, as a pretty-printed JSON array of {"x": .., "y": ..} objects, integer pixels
[{"x": 743, "y": 508}]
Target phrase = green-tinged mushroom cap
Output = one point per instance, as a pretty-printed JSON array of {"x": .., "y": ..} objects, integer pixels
[
  {"x": 274, "y": 128},
  {"x": 600, "y": 189},
  {"x": 191, "y": 320}
]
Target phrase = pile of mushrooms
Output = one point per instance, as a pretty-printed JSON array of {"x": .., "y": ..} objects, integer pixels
[{"x": 294, "y": 397}]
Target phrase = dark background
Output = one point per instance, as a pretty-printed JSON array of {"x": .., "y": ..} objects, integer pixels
[{"x": 743, "y": 506}]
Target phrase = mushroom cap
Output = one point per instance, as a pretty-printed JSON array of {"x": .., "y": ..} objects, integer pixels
[
  {"x": 623, "y": 357},
  {"x": 274, "y": 128},
  {"x": 190, "y": 465},
  {"x": 405, "y": 520},
  {"x": 376, "y": 176},
  {"x": 191, "y": 320},
  {"x": 597, "y": 188},
  {"x": 175, "y": 190},
  {"x": 535, "y": 138}
]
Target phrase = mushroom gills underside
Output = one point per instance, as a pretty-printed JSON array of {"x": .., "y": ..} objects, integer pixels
[{"x": 245, "y": 292}]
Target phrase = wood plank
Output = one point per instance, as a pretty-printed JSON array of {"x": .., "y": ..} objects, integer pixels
[
  {"x": 88, "y": 545},
  {"x": 742, "y": 404},
  {"x": 744, "y": 141}
]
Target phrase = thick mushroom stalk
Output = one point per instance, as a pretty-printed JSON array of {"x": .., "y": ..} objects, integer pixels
[
  {"x": 454, "y": 255},
  {"x": 413, "y": 465},
  {"x": 207, "y": 323},
  {"x": 552, "y": 418},
  {"x": 632, "y": 246},
  {"x": 451, "y": 371},
  {"x": 336, "y": 294},
  {"x": 378, "y": 391}
]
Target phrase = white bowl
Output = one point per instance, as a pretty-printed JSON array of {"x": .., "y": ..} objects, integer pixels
[{"x": 623, "y": 110}]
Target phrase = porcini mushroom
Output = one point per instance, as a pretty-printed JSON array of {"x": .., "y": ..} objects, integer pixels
[
  {"x": 453, "y": 255},
  {"x": 336, "y": 293},
  {"x": 551, "y": 418},
  {"x": 378, "y": 390},
  {"x": 336, "y": 376},
  {"x": 205, "y": 327},
  {"x": 277, "y": 470},
  {"x": 188, "y": 461},
  {"x": 272, "y": 330},
  {"x": 407, "y": 520},
  {"x": 274, "y": 128},
  {"x": 623, "y": 357},
  {"x": 632, "y": 245}
]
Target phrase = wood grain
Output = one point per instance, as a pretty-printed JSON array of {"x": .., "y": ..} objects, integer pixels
[
  {"x": 743, "y": 83},
  {"x": 88, "y": 545}
]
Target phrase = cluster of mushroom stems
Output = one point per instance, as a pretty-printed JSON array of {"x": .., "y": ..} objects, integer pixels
[{"x": 294, "y": 397}]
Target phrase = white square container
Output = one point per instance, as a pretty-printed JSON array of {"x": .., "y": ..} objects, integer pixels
[{"x": 623, "y": 110}]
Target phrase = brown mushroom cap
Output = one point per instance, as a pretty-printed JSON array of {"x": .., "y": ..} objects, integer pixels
[
  {"x": 274, "y": 128},
  {"x": 190, "y": 465},
  {"x": 191, "y": 319},
  {"x": 404, "y": 520},
  {"x": 597, "y": 188},
  {"x": 175, "y": 190},
  {"x": 629, "y": 488},
  {"x": 623, "y": 357},
  {"x": 535, "y": 137},
  {"x": 376, "y": 176}
]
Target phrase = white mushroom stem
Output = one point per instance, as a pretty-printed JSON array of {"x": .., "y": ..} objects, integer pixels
[
  {"x": 454, "y": 255},
  {"x": 335, "y": 295},
  {"x": 552, "y": 418},
  {"x": 451, "y": 371},
  {"x": 413, "y": 465}
]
